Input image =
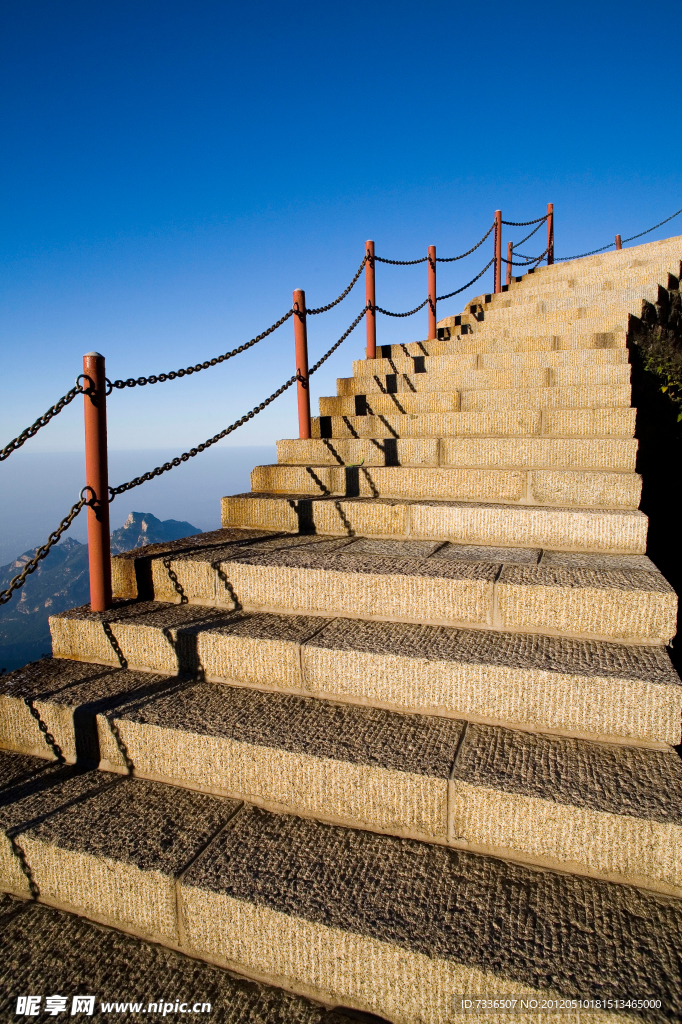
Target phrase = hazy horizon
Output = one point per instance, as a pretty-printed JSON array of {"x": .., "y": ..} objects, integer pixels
[{"x": 49, "y": 482}]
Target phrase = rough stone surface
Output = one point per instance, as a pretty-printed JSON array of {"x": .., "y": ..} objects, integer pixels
[
  {"x": 405, "y": 743},
  {"x": 48, "y": 951},
  {"x": 574, "y": 935},
  {"x": 614, "y": 779}
]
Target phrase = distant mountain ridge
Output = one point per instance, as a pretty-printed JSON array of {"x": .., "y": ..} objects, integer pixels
[{"x": 62, "y": 581}]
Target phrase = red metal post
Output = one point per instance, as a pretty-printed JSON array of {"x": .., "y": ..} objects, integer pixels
[
  {"x": 432, "y": 293},
  {"x": 550, "y": 234},
  {"x": 498, "y": 251},
  {"x": 301, "y": 340},
  {"x": 97, "y": 478},
  {"x": 370, "y": 298},
  {"x": 509, "y": 262},
  {"x": 618, "y": 244}
]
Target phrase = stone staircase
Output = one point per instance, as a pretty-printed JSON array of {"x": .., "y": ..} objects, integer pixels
[{"x": 403, "y": 729}]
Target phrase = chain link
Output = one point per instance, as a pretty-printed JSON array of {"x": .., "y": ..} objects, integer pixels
[
  {"x": 580, "y": 256},
  {"x": 152, "y": 473},
  {"x": 523, "y": 223},
  {"x": 42, "y": 421},
  {"x": 528, "y": 236},
  {"x": 451, "y": 259},
  {"x": 132, "y": 382},
  {"x": 440, "y": 298},
  {"x": 415, "y": 310},
  {"x": 44, "y": 550},
  {"x": 632, "y": 237},
  {"x": 323, "y": 309},
  {"x": 343, "y": 337},
  {"x": 401, "y": 263}
]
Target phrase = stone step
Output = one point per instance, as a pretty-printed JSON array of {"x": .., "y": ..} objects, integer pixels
[
  {"x": 484, "y": 342},
  {"x": 389, "y": 925},
  {"x": 408, "y": 402},
  {"x": 47, "y": 950},
  {"x": 597, "y": 318},
  {"x": 633, "y": 270},
  {"x": 660, "y": 272},
  {"x": 576, "y": 488},
  {"x": 610, "y": 597},
  {"x": 485, "y": 380},
  {"x": 617, "y": 454},
  {"x": 613, "y": 422},
  {"x": 607, "y": 531},
  {"x": 545, "y": 300},
  {"x": 582, "y": 688},
  {"x": 457, "y": 362},
  {"x": 529, "y": 796}
]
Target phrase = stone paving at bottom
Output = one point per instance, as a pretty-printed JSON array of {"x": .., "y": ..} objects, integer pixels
[{"x": 48, "y": 952}]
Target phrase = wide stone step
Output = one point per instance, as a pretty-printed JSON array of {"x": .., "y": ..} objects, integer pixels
[
  {"x": 48, "y": 950},
  {"x": 578, "y": 488},
  {"x": 609, "y": 531},
  {"x": 594, "y": 690},
  {"x": 483, "y": 342},
  {"x": 609, "y": 811},
  {"x": 662, "y": 273},
  {"x": 457, "y": 362},
  {"x": 503, "y": 422},
  {"x": 520, "y": 589},
  {"x": 482, "y": 400},
  {"x": 388, "y": 925},
  {"x": 629, "y": 293},
  {"x": 596, "y": 318},
  {"x": 617, "y": 454},
  {"x": 471, "y": 380}
]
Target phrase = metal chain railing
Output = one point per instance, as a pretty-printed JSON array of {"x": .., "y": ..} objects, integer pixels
[
  {"x": 537, "y": 228},
  {"x": 132, "y": 382},
  {"x": 42, "y": 421},
  {"x": 593, "y": 252},
  {"x": 401, "y": 263},
  {"x": 323, "y": 309},
  {"x": 415, "y": 310},
  {"x": 440, "y": 298},
  {"x": 523, "y": 223},
  {"x": 343, "y": 337},
  {"x": 451, "y": 259},
  {"x": 152, "y": 473},
  {"x": 528, "y": 259},
  {"x": 44, "y": 550}
]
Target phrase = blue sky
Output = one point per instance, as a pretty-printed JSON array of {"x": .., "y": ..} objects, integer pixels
[{"x": 172, "y": 170}]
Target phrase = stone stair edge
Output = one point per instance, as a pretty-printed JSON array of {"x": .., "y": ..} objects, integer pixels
[
  {"x": 248, "y": 897},
  {"x": 393, "y": 773},
  {"x": 410, "y": 667}
]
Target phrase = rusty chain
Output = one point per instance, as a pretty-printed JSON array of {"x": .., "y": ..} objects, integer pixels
[
  {"x": 439, "y": 298},
  {"x": 632, "y": 237},
  {"x": 323, "y": 309},
  {"x": 132, "y": 382},
  {"x": 44, "y": 550},
  {"x": 42, "y": 421},
  {"x": 451, "y": 259}
]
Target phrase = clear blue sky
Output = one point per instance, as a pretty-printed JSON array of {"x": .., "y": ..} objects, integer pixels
[{"x": 171, "y": 170}]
